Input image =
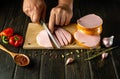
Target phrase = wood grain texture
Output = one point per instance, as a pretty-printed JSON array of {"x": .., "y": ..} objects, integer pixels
[
  {"x": 7, "y": 65},
  {"x": 50, "y": 64},
  {"x": 79, "y": 69},
  {"x": 32, "y": 70}
]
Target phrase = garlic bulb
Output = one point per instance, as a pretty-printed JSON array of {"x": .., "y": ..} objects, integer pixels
[{"x": 108, "y": 41}]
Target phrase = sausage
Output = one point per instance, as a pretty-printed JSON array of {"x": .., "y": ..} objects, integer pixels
[
  {"x": 90, "y": 21},
  {"x": 87, "y": 41},
  {"x": 43, "y": 39},
  {"x": 67, "y": 35},
  {"x": 90, "y": 24},
  {"x": 58, "y": 36},
  {"x": 63, "y": 36}
]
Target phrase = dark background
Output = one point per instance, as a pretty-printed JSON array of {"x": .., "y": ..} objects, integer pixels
[{"x": 108, "y": 10}]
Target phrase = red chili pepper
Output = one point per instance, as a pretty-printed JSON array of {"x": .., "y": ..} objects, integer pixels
[
  {"x": 5, "y": 34},
  {"x": 16, "y": 40}
]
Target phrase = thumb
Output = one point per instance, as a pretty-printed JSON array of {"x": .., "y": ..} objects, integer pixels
[{"x": 35, "y": 17}]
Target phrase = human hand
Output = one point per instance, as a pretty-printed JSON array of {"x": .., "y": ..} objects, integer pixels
[
  {"x": 60, "y": 15},
  {"x": 35, "y": 9}
]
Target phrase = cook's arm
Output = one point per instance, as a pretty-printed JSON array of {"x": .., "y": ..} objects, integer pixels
[{"x": 67, "y": 3}]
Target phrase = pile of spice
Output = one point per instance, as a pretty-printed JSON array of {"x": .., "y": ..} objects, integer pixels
[{"x": 21, "y": 60}]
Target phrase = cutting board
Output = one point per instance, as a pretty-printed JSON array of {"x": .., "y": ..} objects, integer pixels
[{"x": 33, "y": 29}]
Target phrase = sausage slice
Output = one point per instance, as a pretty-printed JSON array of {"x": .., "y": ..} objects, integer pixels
[
  {"x": 43, "y": 39},
  {"x": 86, "y": 40}
]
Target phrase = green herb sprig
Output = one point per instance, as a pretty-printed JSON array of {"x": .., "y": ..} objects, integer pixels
[{"x": 100, "y": 51}]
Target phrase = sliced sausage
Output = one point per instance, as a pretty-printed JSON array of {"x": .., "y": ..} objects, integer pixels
[
  {"x": 90, "y": 21},
  {"x": 87, "y": 40},
  {"x": 63, "y": 36},
  {"x": 43, "y": 39},
  {"x": 67, "y": 35},
  {"x": 58, "y": 36},
  {"x": 90, "y": 24}
]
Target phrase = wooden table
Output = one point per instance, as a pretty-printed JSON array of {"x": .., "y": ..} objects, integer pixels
[{"x": 50, "y": 64}]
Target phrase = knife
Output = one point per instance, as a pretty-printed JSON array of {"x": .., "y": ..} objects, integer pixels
[{"x": 50, "y": 34}]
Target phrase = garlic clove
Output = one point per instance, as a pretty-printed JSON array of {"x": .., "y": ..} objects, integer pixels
[
  {"x": 104, "y": 55},
  {"x": 69, "y": 61},
  {"x": 108, "y": 41}
]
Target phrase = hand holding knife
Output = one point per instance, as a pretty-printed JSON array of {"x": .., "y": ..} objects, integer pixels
[{"x": 50, "y": 34}]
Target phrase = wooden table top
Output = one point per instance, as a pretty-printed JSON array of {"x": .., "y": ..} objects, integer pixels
[{"x": 50, "y": 64}]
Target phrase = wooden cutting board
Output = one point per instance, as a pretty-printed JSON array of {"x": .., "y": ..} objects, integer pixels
[{"x": 33, "y": 29}]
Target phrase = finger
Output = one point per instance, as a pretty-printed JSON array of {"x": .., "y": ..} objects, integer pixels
[
  {"x": 51, "y": 22},
  {"x": 63, "y": 19},
  {"x": 36, "y": 16},
  {"x": 68, "y": 18},
  {"x": 31, "y": 15},
  {"x": 27, "y": 11},
  {"x": 57, "y": 19}
]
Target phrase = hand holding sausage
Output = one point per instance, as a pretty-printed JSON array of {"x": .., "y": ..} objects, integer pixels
[{"x": 35, "y": 9}]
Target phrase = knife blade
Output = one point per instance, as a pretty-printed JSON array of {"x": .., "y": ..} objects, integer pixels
[{"x": 56, "y": 43}]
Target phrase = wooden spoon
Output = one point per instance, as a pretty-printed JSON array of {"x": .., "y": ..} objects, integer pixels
[{"x": 20, "y": 59}]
